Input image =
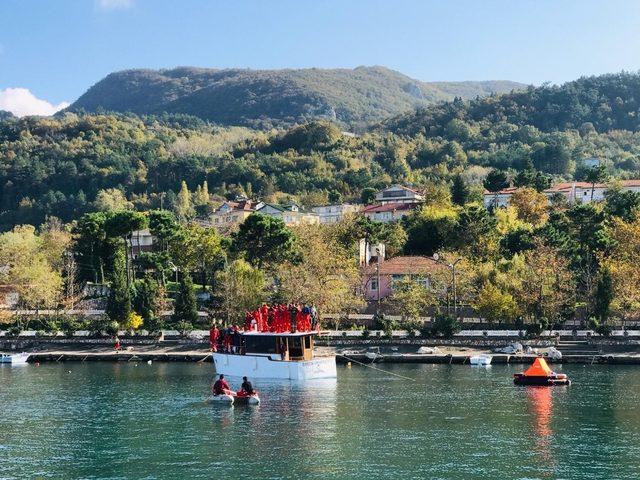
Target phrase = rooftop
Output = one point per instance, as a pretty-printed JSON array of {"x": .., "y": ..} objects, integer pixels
[
  {"x": 389, "y": 207},
  {"x": 406, "y": 265}
]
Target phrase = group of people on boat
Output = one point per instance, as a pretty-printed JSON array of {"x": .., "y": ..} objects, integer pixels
[
  {"x": 222, "y": 387},
  {"x": 280, "y": 318}
]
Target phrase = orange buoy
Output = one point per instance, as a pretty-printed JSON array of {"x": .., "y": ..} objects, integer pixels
[{"x": 540, "y": 374}]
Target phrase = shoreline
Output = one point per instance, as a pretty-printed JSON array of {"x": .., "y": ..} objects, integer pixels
[{"x": 454, "y": 356}]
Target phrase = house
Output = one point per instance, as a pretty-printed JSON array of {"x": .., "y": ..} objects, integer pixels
[
  {"x": 290, "y": 214},
  {"x": 328, "y": 214},
  {"x": 232, "y": 213},
  {"x": 378, "y": 285},
  {"x": 389, "y": 212},
  {"x": 141, "y": 241},
  {"x": 574, "y": 192},
  {"x": 398, "y": 194},
  {"x": 581, "y": 192}
]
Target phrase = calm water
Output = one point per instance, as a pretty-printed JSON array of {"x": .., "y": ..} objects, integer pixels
[{"x": 122, "y": 421}]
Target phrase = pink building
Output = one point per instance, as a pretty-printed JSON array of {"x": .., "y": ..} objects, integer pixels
[{"x": 416, "y": 268}]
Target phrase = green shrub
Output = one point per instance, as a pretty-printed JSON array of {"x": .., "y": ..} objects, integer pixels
[
  {"x": 445, "y": 326},
  {"x": 533, "y": 330},
  {"x": 604, "y": 330}
]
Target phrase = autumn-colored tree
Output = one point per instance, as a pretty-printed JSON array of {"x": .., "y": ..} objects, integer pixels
[
  {"x": 530, "y": 205},
  {"x": 326, "y": 276},
  {"x": 29, "y": 269},
  {"x": 243, "y": 288},
  {"x": 183, "y": 207},
  {"x": 494, "y": 304},
  {"x": 547, "y": 290},
  {"x": 411, "y": 298},
  {"x": 622, "y": 264}
]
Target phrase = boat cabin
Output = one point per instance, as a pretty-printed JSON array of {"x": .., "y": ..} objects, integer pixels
[{"x": 289, "y": 346}]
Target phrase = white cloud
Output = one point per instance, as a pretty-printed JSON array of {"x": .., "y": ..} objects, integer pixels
[
  {"x": 21, "y": 102},
  {"x": 115, "y": 4}
]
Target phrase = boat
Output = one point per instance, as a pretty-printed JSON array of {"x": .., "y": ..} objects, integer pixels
[
  {"x": 14, "y": 359},
  {"x": 236, "y": 398},
  {"x": 373, "y": 354},
  {"x": 539, "y": 374},
  {"x": 275, "y": 355},
  {"x": 481, "y": 360}
]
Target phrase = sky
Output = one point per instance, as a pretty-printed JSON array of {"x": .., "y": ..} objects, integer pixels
[{"x": 51, "y": 51}]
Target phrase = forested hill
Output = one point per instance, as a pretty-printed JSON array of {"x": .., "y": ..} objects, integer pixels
[
  {"x": 266, "y": 98},
  {"x": 604, "y": 103}
]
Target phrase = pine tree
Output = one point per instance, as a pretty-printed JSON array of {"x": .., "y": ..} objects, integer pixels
[
  {"x": 119, "y": 301},
  {"x": 459, "y": 190},
  {"x": 185, "y": 308}
]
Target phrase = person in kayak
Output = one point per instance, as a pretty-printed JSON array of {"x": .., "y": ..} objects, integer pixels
[
  {"x": 246, "y": 386},
  {"x": 221, "y": 387}
]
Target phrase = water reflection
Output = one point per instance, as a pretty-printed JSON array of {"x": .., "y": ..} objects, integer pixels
[{"x": 540, "y": 406}]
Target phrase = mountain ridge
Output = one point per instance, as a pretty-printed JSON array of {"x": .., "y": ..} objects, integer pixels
[{"x": 279, "y": 97}]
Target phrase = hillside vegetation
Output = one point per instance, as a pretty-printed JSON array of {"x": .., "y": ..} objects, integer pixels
[
  {"x": 266, "y": 98},
  {"x": 72, "y": 164}
]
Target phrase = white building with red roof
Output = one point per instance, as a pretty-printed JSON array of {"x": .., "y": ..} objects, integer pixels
[{"x": 574, "y": 192}]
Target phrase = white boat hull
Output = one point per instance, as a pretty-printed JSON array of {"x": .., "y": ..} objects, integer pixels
[
  {"x": 481, "y": 360},
  {"x": 265, "y": 366},
  {"x": 15, "y": 359}
]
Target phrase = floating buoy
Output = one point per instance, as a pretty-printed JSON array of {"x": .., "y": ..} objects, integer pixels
[
  {"x": 539, "y": 374},
  {"x": 149, "y": 362},
  {"x": 348, "y": 364}
]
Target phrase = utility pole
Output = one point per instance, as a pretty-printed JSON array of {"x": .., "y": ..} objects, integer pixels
[{"x": 378, "y": 277}]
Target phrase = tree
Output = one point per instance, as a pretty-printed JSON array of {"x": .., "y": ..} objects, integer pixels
[
  {"x": 327, "y": 274},
  {"x": 459, "y": 190},
  {"x": 368, "y": 195},
  {"x": 475, "y": 226},
  {"x": 410, "y": 298},
  {"x": 530, "y": 205},
  {"x": 264, "y": 241},
  {"x": 495, "y": 181},
  {"x": 163, "y": 226},
  {"x": 547, "y": 292},
  {"x": 183, "y": 207},
  {"x": 431, "y": 229},
  {"x": 622, "y": 203},
  {"x": 148, "y": 303},
  {"x": 90, "y": 246},
  {"x": 595, "y": 175},
  {"x": 27, "y": 268},
  {"x": 195, "y": 248},
  {"x": 603, "y": 296},
  {"x": 532, "y": 178},
  {"x": 243, "y": 288},
  {"x": 119, "y": 300},
  {"x": 122, "y": 224},
  {"x": 185, "y": 310},
  {"x": 493, "y": 304},
  {"x": 621, "y": 264},
  {"x": 111, "y": 200}
]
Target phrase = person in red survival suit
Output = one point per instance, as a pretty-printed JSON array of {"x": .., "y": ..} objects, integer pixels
[
  {"x": 221, "y": 387},
  {"x": 214, "y": 335},
  {"x": 247, "y": 320},
  {"x": 264, "y": 314}
]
